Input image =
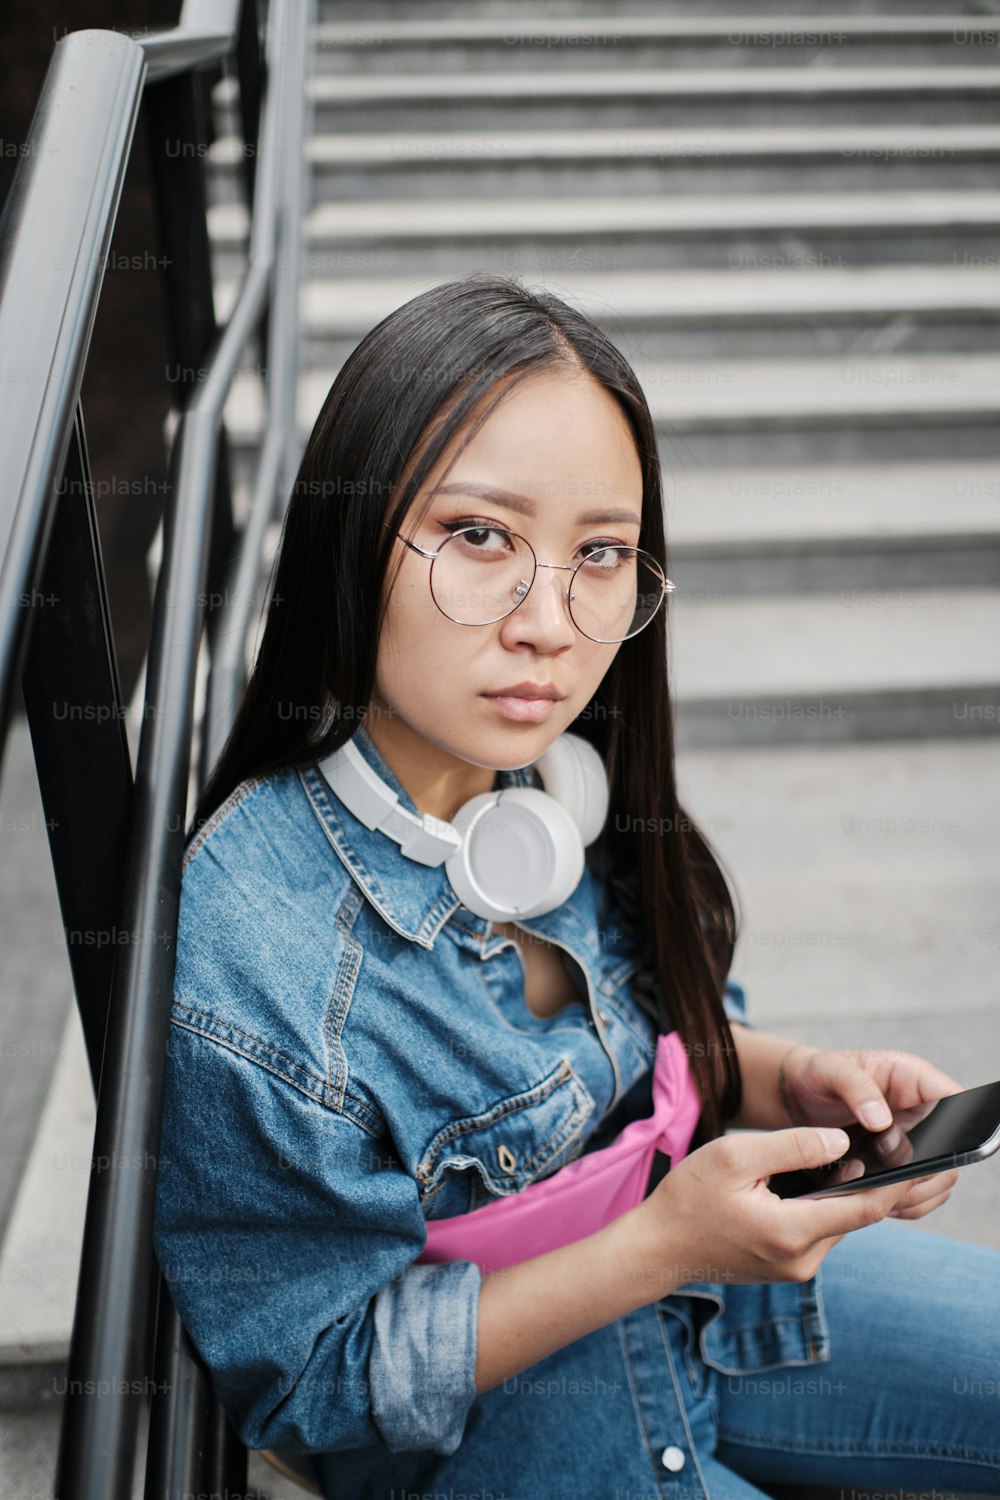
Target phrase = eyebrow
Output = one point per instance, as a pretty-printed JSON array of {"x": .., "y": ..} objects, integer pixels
[{"x": 526, "y": 507}]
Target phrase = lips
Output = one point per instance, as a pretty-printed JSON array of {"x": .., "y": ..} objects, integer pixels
[
  {"x": 521, "y": 709},
  {"x": 527, "y": 690}
]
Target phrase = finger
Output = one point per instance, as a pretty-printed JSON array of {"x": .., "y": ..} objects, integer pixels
[
  {"x": 934, "y": 1083},
  {"x": 841, "y": 1213},
  {"x": 934, "y": 1182},
  {"x": 893, "y": 1147},
  {"x": 909, "y": 1079},
  {"x": 858, "y": 1090},
  {"x": 787, "y": 1150},
  {"x": 924, "y": 1188},
  {"x": 917, "y": 1211}
]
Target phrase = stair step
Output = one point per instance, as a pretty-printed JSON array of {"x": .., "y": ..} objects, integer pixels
[
  {"x": 815, "y": 527},
  {"x": 820, "y": 528},
  {"x": 728, "y": 30},
  {"x": 645, "y": 298},
  {"x": 693, "y": 214},
  {"x": 718, "y": 313},
  {"x": 981, "y": 142},
  {"x": 713, "y": 84},
  {"x": 866, "y": 389},
  {"x": 716, "y": 158},
  {"x": 711, "y": 510},
  {"x": 760, "y": 213},
  {"x": 795, "y": 231},
  {"x": 650, "y": 303},
  {"x": 372, "y": 10},
  {"x": 644, "y": 96},
  {"x": 902, "y": 663},
  {"x": 869, "y": 894},
  {"x": 780, "y": 410},
  {"x": 614, "y": 40}
]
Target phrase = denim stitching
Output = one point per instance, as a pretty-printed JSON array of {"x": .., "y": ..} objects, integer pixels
[
  {"x": 637, "y": 1407},
  {"x": 257, "y": 1041},
  {"x": 507, "y": 1106},
  {"x": 460, "y": 926},
  {"x": 235, "y": 797},
  {"x": 681, "y": 1407},
  {"x": 865, "y": 1450},
  {"x": 210, "y": 1032},
  {"x": 343, "y": 993},
  {"x": 319, "y": 798},
  {"x": 541, "y": 1157},
  {"x": 542, "y": 1091},
  {"x": 438, "y": 915}
]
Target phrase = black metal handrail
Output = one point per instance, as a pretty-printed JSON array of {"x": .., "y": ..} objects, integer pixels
[{"x": 117, "y": 844}]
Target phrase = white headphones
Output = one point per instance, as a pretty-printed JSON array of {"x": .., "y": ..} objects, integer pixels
[{"x": 517, "y": 852}]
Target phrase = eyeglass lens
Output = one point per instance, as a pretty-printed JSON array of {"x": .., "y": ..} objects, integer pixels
[{"x": 481, "y": 574}]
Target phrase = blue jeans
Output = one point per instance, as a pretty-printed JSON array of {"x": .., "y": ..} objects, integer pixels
[{"x": 909, "y": 1398}]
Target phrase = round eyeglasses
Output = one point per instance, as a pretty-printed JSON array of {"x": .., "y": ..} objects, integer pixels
[{"x": 480, "y": 574}]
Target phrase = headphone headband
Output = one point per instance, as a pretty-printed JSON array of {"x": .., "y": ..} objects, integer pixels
[{"x": 508, "y": 853}]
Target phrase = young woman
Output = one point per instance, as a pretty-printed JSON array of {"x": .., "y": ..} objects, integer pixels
[{"x": 473, "y": 562}]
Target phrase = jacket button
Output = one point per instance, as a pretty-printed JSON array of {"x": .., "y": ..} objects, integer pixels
[
  {"x": 673, "y": 1459},
  {"x": 603, "y": 1015}
]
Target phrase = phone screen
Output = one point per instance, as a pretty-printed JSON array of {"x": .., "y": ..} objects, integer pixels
[{"x": 948, "y": 1127}]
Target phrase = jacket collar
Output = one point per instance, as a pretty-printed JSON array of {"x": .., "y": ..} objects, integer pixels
[
  {"x": 418, "y": 900},
  {"x": 415, "y": 899}
]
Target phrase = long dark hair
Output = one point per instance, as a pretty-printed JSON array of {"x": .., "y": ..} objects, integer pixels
[{"x": 396, "y": 404}]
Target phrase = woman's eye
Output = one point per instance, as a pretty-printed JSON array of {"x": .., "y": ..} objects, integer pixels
[
  {"x": 474, "y": 533},
  {"x": 605, "y": 555}
]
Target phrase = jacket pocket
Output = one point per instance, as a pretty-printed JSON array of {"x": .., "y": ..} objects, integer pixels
[{"x": 500, "y": 1150}]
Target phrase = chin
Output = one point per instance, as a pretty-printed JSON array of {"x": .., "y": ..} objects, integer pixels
[{"x": 520, "y": 757}]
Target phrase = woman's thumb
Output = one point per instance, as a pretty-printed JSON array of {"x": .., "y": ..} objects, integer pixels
[{"x": 798, "y": 1146}]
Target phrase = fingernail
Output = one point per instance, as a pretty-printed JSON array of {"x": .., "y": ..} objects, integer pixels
[
  {"x": 836, "y": 1140},
  {"x": 889, "y": 1140},
  {"x": 874, "y": 1115}
]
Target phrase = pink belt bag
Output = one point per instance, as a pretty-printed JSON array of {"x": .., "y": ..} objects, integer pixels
[{"x": 585, "y": 1194}]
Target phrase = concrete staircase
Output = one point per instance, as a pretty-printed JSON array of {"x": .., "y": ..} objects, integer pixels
[{"x": 791, "y": 226}]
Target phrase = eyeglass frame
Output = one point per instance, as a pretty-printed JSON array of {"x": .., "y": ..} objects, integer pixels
[{"x": 668, "y": 586}]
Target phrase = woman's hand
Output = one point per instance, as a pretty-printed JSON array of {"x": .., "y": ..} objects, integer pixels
[
  {"x": 714, "y": 1218},
  {"x": 872, "y": 1085}
]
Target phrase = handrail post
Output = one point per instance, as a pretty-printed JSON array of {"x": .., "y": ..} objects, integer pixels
[
  {"x": 176, "y": 141},
  {"x": 250, "y": 70},
  {"x": 65, "y": 192},
  {"x": 72, "y": 699},
  {"x": 67, "y": 189}
]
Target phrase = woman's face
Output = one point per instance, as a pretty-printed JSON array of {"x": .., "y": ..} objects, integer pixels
[{"x": 562, "y": 451}]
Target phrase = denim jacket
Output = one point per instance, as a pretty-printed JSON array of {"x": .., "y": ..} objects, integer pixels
[{"x": 351, "y": 1054}]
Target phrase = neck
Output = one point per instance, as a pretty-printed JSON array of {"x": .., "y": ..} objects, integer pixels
[{"x": 438, "y": 782}]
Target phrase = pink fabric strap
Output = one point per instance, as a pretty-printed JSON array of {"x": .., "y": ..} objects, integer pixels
[{"x": 585, "y": 1194}]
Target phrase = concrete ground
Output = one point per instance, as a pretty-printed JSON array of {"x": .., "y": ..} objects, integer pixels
[{"x": 870, "y": 890}]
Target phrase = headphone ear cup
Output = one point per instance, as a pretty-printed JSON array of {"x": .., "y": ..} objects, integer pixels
[
  {"x": 573, "y": 772},
  {"x": 521, "y": 854}
]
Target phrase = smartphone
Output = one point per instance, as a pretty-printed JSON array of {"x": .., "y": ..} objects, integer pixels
[{"x": 931, "y": 1137}]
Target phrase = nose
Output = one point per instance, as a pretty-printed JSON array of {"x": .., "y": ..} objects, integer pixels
[{"x": 543, "y": 614}]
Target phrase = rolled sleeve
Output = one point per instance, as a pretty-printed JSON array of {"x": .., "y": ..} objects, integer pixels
[
  {"x": 423, "y": 1360},
  {"x": 287, "y": 1235},
  {"x": 734, "y": 1002}
]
